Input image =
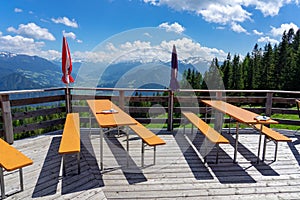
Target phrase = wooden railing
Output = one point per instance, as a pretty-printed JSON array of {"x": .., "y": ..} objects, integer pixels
[{"x": 26, "y": 111}]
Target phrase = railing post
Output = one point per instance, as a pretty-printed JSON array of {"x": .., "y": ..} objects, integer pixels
[
  {"x": 170, "y": 110},
  {"x": 219, "y": 116},
  {"x": 7, "y": 119},
  {"x": 269, "y": 102},
  {"x": 121, "y": 99}
]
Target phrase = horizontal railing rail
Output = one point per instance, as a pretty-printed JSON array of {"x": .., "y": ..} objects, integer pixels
[{"x": 29, "y": 112}]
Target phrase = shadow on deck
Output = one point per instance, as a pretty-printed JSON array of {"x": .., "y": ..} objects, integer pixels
[{"x": 180, "y": 171}]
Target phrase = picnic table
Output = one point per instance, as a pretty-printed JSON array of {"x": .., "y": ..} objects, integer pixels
[
  {"x": 109, "y": 115},
  {"x": 241, "y": 116}
]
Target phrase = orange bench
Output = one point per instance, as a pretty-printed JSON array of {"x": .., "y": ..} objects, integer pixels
[
  {"x": 271, "y": 135},
  {"x": 11, "y": 159},
  {"x": 148, "y": 137},
  {"x": 210, "y": 133},
  {"x": 70, "y": 141}
]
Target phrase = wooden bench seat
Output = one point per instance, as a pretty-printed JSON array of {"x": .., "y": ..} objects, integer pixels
[
  {"x": 70, "y": 141},
  {"x": 148, "y": 138},
  {"x": 211, "y": 134},
  {"x": 11, "y": 159},
  {"x": 271, "y": 135}
]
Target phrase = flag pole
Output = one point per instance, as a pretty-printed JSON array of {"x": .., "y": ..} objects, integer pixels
[
  {"x": 170, "y": 110},
  {"x": 68, "y": 98}
]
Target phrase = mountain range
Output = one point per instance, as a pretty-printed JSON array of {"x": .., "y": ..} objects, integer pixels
[{"x": 19, "y": 72}]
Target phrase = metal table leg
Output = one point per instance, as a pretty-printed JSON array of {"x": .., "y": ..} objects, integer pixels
[
  {"x": 2, "y": 183},
  {"x": 127, "y": 145},
  {"x": 236, "y": 142},
  {"x": 101, "y": 149},
  {"x": 259, "y": 143}
]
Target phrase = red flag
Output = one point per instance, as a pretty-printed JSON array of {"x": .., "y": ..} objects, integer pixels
[{"x": 66, "y": 63}]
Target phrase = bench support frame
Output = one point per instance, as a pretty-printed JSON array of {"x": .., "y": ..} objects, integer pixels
[
  {"x": 266, "y": 140},
  {"x": 64, "y": 163},
  {"x": 3, "y": 196},
  {"x": 143, "y": 154},
  {"x": 217, "y": 145}
]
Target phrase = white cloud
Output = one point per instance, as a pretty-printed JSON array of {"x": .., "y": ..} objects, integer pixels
[
  {"x": 237, "y": 28},
  {"x": 277, "y": 32},
  {"x": 32, "y": 30},
  {"x": 175, "y": 27},
  {"x": 18, "y": 10},
  {"x": 152, "y": 2},
  {"x": 145, "y": 51},
  {"x": 69, "y": 35},
  {"x": 224, "y": 14},
  {"x": 49, "y": 54},
  {"x": 267, "y": 40},
  {"x": 19, "y": 44},
  {"x": 22, "y": 45},
  {"x": 224, "y": 11},
  {"x": 270, "y": 7},
  {"x": 256, "y": 32},
  {"x": 66, "y": 21}
]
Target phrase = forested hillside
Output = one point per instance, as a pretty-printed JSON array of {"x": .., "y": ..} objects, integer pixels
[{"x": 274, "y": 67}]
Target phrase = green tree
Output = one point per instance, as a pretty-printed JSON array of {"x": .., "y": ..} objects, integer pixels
[
  {"x": 213, "y": 77},
  {"x": 256, "y": 67},
  {"x": 247, "y": 71},
  {"x": 225, "y": 68},
  {"x": 267, "y": 78}
]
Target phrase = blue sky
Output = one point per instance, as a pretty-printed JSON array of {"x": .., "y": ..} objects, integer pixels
[{"x": 214, "y": 27}]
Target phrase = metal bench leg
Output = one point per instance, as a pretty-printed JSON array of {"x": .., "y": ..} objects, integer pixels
[
  {"x": 64, "y": 165},
  {"x": 206, "y": 110},
  {"x": 259, "y": 144},
  {"x": 229, "y": 125},
  {"x": 154, "y": 156},
  {"x": 78, "y": 162},
  {"x": 90, "y": 122},
  {"x": 21, "y": 179},
  {"x": 217, "y": 156},
  {"x": 101, "y": 148},
  {"x": 143, "y": 153},
  {"x": 2, "y": 183},
  {"x": 276, "y": 148},
  {"x": 192, "y": 132},
  {"x": 127, "y": 146},
  {"x": 236, "y": 143},
  {"x": 265, "y": 147}
]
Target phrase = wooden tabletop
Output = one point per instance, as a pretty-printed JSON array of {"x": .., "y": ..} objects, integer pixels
[
  {"x": 240, "y": 114},
  {"x": 109, "y": 120}
]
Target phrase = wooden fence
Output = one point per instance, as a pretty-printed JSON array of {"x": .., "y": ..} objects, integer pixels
[{"x": 44, "y": 109}]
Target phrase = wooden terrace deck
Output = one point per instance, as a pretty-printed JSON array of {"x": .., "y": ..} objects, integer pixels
[{"x": 179, "y": 171}]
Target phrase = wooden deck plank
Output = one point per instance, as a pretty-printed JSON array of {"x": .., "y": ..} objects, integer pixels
[{"x": 180, "y": 171}]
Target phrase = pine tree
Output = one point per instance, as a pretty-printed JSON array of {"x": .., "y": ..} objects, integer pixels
[
  {"x": 247, "y": 71},
  {"x": 281, "y": 66},
  {"x": 213, "y": 77},
  {"x": 225, "y": 68},
  {"x": 268, "y": 80},
  {"x": 256, "y": 68}
]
